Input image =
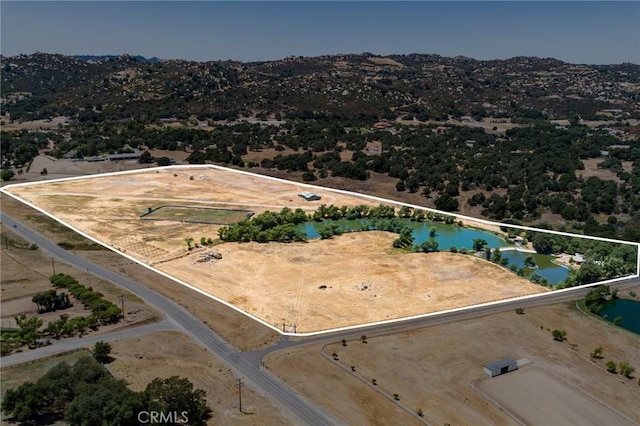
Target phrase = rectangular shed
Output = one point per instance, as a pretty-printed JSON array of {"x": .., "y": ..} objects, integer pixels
[
  {"x": 309, "y": 196},
  {"x": 503, "y": 366}
]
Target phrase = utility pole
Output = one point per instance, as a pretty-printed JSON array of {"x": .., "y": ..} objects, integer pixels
[
  {"x": 240, "y": 384},
  {"x": 53, "y": 266},
  {"x": 122, "y": 304}
]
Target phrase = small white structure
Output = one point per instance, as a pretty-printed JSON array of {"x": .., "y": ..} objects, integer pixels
[
  {"x": 309, "y": 196},
  {"x": 500, "y": 367},
  {"x": 578, "y": 258}
]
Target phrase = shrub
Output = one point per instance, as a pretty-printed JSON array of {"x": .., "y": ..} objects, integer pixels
[
  {"x": 611, "y": 367},
  {"x": 559, "y": 335},
  {"x": 626, "y": 369},
  {"x": 597, "y": 353}
]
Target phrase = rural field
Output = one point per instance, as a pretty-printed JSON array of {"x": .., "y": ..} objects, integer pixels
[
  {"x": 435, "y": 370},
  {"x": 295, "y": 284}
]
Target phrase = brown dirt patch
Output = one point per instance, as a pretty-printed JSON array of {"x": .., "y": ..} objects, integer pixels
[
  {"x": 591, "y": 169},
  {"x": 164, "y": 354}
]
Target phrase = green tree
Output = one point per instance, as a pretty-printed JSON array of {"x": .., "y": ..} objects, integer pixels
[
  {"x": 177, "y": 394},
  {"x": 24, "y": 402},
  {"x": 479, "y": 243},
  {"x": 497, "y": 255},
  {"x": 447, "y": 203},
  {"x": 597, "y": 353},
  {"x": 145, "y": 158},
  {"x": 611, "y": 367},
  {"x": 543, "y": 243},
  {"x": 57, "y": 327},
  {"x": 163, "y": 161},
  {"x": 28, "y": 328},
  {"x": 559, "y": 335},
  {"x": 309, "y": 176},
  {"x": 626, "y": 369},
  {"x": 6, "y": 175},
  {"x": 529, "y": 262},
  {"x": 102, "y": 352},
  {"x": 189, "y": 241}
]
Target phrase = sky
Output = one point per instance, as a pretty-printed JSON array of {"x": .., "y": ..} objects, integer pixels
[{"x": 591, "y": 32}]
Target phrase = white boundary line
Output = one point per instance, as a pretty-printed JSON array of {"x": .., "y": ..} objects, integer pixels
[{"x": 6, "y": 190}]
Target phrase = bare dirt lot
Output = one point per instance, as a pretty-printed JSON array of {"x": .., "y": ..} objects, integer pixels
[
  {"x": 539, "y": 398},
  {"x": 276, "y": 282},
  {"x": 432, "y": 369}
]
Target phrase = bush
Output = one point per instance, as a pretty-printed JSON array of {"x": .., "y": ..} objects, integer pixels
[
  {"x": 626, "y": 369},
  {"x": 611, "y": 367},
  {"x": 559, "y": 335}
]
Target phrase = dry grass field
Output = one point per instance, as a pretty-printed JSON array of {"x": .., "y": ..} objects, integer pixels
[
  {"x": 433, "y": 368},
  {"x": 276, "y": 282}
]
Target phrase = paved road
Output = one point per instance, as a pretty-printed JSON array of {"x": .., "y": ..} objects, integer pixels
[
  {"x": 306, "y": 411},
  {"x": 68, "y": 344}
]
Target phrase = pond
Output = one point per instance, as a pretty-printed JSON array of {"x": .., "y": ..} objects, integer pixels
[
  {"x": 627, "y": 310},
  {"x": 446, "y": 235},
  {"x": 553, "y": 273}
]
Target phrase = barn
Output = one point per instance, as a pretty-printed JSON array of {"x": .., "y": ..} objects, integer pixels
[{"x": 503, "y": 366}]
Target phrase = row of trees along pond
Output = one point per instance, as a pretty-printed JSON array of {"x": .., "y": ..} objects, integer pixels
[{"x": 603, "y": 260}]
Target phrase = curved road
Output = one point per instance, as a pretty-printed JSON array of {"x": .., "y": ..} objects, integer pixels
[{"x": 306, "y": 411}]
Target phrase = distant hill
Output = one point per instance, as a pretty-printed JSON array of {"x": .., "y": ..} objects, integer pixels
[
  {"x": 423, "y": 86},
  {"x": 99, "y": 58}
]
